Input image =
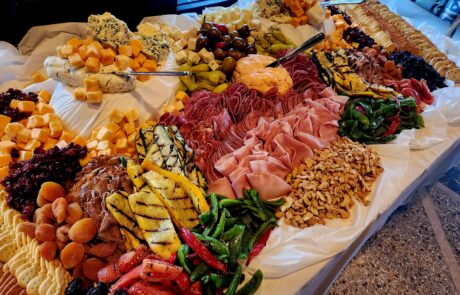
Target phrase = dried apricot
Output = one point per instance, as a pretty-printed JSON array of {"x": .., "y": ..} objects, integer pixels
[
  {"x": 47, "y": 250},
  {"x": 48, "y": 211},
  {"x": 28, "y": 228},
  {"x": 91, "y": 267},
  {"x": 74, "y": 213},
  {"x": 83, "y": 230},
  {"x": 40, "y": 218},
  {"x": 72, "y": 255},
  {"x": 62, "y": 233},
  {"x": 41, "y": 201},
  {"x": 59, "y": 209},
  {"x": 77, "y": 272},
  {"x": 103, "y": 249},
  {"x": 45, "y": 232},
  {"x": 51, "y": 191},
  {"x": 60, "y": 245}
]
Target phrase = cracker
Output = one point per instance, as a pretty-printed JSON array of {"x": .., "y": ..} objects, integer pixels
[{"x": 453, "y": 74}]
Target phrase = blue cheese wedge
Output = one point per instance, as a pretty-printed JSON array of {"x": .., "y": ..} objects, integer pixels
[
  {"x": 109, "y": 30},
  {"x": 154, "y": 41}
]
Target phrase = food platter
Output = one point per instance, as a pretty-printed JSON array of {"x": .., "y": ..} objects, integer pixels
[{"x": 181, "y": 185}]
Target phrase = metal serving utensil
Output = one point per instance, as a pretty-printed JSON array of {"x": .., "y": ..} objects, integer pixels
[
  {"x": 305, "y": 45},
  {"x": 163, "y": 73},
  {"x": 339, "y": 2}
]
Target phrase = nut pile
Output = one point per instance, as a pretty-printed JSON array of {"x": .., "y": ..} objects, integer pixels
[{"x": 326, "y": 185}]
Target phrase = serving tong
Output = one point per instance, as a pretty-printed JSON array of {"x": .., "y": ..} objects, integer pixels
[
  {"x": 159, "y": 73},
  {"x": 339, "y": 2}
]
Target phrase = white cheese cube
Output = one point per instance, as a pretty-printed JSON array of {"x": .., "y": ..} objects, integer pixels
[
  {"x": 213, "y": 65},
  {"x": 193, "y": 57},
  {"x": 191, "y": 43},
  {"x": 208, "y": 57},
  {"x": 181, "y": 56},
  {"x": 176, "y": 47},
  {"x": 176, "y": 33},
  {"x": 170, "y": 41}
]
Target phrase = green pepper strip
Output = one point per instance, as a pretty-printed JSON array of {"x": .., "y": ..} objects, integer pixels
[
  {"x": 220, "y": 280},
  {"x": 205, "y": 217},
  {"x": 198, "y": 272},
  {"x": 220, "y": 226},
  {"x": 230, "y": 222},
  {"x": 216, "y": 245},
  {"x": 215, "y": 214},
  {"x": 231, "y": 233},
  {"x": 360, "y": 117},
  {"x": 254, "y": 283},
  {"x": 229, "y": 203},
  {"x": 275, "y": 204},
  {"x": 182, "y": 257},
  {"x": 258, "y": 204},
  {"x": 235, "y": 247},
  {"x": 264, "y": 227},
  {"x": 235, "y": 281}
]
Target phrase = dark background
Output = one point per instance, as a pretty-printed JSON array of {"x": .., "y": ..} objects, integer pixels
[{"x": 18, "y": 16}]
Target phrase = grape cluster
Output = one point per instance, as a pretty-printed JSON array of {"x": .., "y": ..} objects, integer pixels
[
  {"x": 355, "y": 35},
  {"x": 416, "y": 67},
  {"x": 8, "y": 96}
]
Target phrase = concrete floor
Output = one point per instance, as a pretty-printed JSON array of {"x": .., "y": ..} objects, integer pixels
[{"x": 416, "y": 252}]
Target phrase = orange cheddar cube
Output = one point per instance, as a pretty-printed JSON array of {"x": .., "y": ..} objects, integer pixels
[
  {"x": 105, "y": 134},
  {"x": 122, "y": 62},
  {"x": 113, "y": 127},
  {"x": 91, "y": 84},
  {"x": 116, "y": 116},
  {"x": 92, "y": 64},
  {"x": 92, "y": 51},
  {"x": 134, "y": 65},
  {"x": 129, "y": 128},
  {"x": 6, "y": 146},
  {"x": 94, "y": 133},
  {"x": 5, "y": 160},
  {"x": 303, "y": 20},
  {"x": 56, "y": 129},
  {"x": 125, "y": 50},
  {"x": 14, "y": 103},
  {"x": 49, "y": 117},
  {"x": 120, "y": 134},
  {"x": 295, "y": 21},
  {"x": 4, "y": 171},
  {"x": 97, "y": 45},
  {"x": 25, "y": 155},
  {"x": 142, "y": 78},
  {"x": 76, "y": 60},
  {"x": 122, "y": 143},
  {"x": 11, "y": 129},
  {"x": 45, "y": 95},
  {"x": 83, "y": 51},
  {"x": 44, "y": 108},
  {"x": 107, "y": 56},
  {"x": 32, "y": 145},
  {"x": 182, "y": 96},
  {"x": 40, "y": 134},
  {"x": 141, "y": 58},
  {"x": 23, "y": 135},
  {"x": 150, "y": 65},
  {"x": 50, "y": 143},
  {"x": 67, "y": 50},
  {"x": 132, "y": 115},
  {"x": 35, "y": 121},
  {"x": 75, "y": 42},
  {"x": 135, "y": 50},
  {"x": 136, "y": 43},
  {"x": 38, "y": 77},
  {"x": 66, "y": 135},
  {"x": 94, "y": 96},
  {"x": 80, "y": 140},
  {"x": 132, "y": 139},
  {"x": 4, "y": 120},
  {"x": 26, "y": 106},
  {"x": 79, "y": 93},
  {"x": 87, "y": 41}
]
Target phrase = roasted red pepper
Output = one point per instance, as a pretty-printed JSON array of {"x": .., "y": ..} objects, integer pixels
[
  {"x": 393, "y": 127},
  {"x": 182, "y": 281},
  {"x": 201, "y": 250},
  {"x": 260, "y": 244},
  {"x": 172, "y": 258},
  {"x": 127, "y": 279}
]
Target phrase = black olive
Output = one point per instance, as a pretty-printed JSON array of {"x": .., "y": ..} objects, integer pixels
[
  {"x": 234, "y": 34},
  {"x": 235, "y": 53},
  {"x": 239, "y": 43},
  {"x": 120, "y": 292},
  {"x": 244, "y": 31},
  {"x": 228, "y": 65},
  {"x": 214, "y": 34},
  {"x": 75, "y": 287},
  {"x": 201, "y": 43},
  {"x": 251, "y": 49},
  {"x": 219, "y": 54}
]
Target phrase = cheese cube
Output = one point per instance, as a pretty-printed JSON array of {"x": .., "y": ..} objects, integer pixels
[
  {"x": 132, "y": 139},
  {"x": 142, "y": 78},
  {"x": 40, "y": 134},
  {"x": 50, "y": 143},
  {"x": 136, "y": 43},
  {"x": 79, "y": 140},
  {"x": 134, "y": 65},
  {"x": 94, "y": 96},
  {"x": 45, "y": 95},
  {"x": 107, "y": 56},
  {"x": 207, "y": 57},
  {"x": 74, "y": 41},
  {"x": 50, "y": 117},
  {"x": 103, "y": 145},
  {"x": 129, "y": 128},
  {"x": 4, "y": 171},
  {"x": 11, "y": 129},
  {"x": 59, "y": 52},
  {"x": 122, "y": 62},
  {"x": 116, "y": 116},
  {"x": 193, "y": 58},
  {"x": 67, "y": 50},
  {"x": 76, "y": 60},
  {"x": 79, "y": 93},
  {"x": 92, "y": 154},
  {"x": 67, "y": 136},
  {"x": 35, "y": 122},
  {"x": 125, "y": 50},
  {"x": 93, "y": 51},
  {"x": 32, "y": 145},
  {"x": 132, "y": 115},
  {"x": 14, "y": 103},
  {"x": 87, "y": 41},
  {"x": 23, "y": 135},
  {"x": 20, "y": 145},
  {"x": 120, "y": 134},
  {"x": 97, "y": 45},
  {"x": 122, "y": 143},
  {"x": 105, "y": 134},
  {"x": 150, "y": 65},
  {"x": 92, "y": 145},
  {"x": 38, "y": 77},
  {"x": 181, "y": 96},
  {"x": 26, "y": 106},
  {"x": 91, "y": 84},
  {"x": 177, "y": 46},
  {"x": 191, "y": 43},
  {"x": 181, "y": 56},
  {"x": 4, "y": 120},
  {"x": 93, "y": 135},
  {"x": 178, "y": 105},
  {"x": 61, "y": 144},
  {"x": 83, "y": 51},
  {"x": 135, "y": 50},
  {"x": 44, "y": 108},
  {"x": 141, "y": 58},
  {"x": 106, "y": 152},
  {"x": 25, "y": 155},
  {"x": 213, "y": 65},
  {"x": 5, "y": 160},
  {"x": 92, "y": 64},
  {"x": 113, "y": 127}
]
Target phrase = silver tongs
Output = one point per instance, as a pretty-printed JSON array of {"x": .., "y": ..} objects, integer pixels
[
  {"x": 339, "y": 2},
  {"x": 163, "y": 73},
  {"x": 305, "y": 45}
]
